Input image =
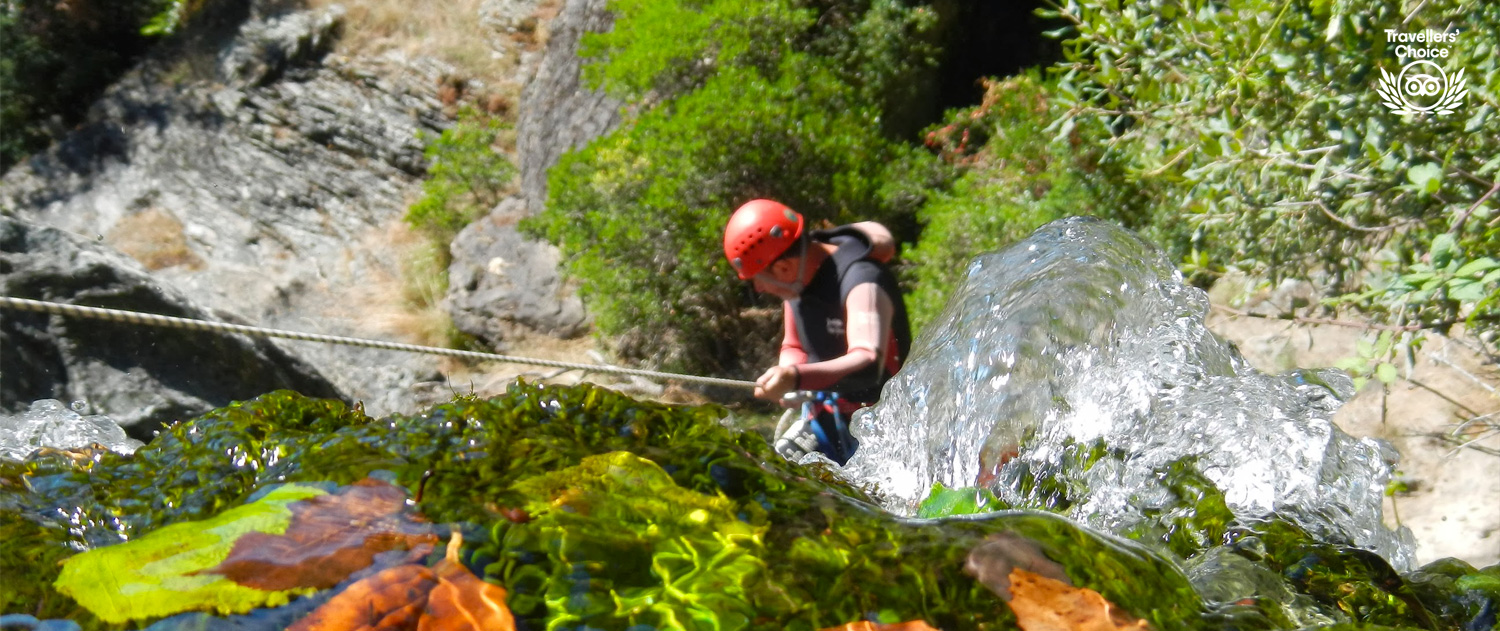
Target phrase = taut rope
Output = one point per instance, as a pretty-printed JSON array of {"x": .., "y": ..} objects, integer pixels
[{"x": 150, "y": 319}]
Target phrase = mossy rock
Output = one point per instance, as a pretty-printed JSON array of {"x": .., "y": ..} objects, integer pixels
[{"x": 596, "y": 511}]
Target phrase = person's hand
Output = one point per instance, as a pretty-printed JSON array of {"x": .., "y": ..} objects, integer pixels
[{"x": 776, "y": 381}]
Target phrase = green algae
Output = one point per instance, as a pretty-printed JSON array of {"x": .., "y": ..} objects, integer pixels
[
  {"x": 1270, "y": 573},
  {"x": 596, "y": 511}
]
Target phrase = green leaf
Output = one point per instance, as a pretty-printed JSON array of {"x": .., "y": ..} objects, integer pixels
[
  {"x": 158, "y": 574},
  {"x": 1443, "y": 247},
  {"x": 1476, "y": 266},
  {"x": 1386, "y": 373},
  {"x": 1317, "y": 175},
  {"x": 1465, "y": 290},
  {"x": 1428, "y": 177},
  {"x": 946, "y": 502}
]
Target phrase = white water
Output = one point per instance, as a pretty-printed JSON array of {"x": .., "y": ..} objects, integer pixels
[
  {"x": 1085, "y": 332},
  {"x": 49, "y": 423}
]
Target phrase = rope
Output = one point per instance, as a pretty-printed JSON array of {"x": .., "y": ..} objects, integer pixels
[{"x": 150, "y": 319}]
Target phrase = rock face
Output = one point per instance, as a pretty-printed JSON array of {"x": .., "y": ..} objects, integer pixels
[
  {"x": 502, "y": 284},
  {"x": 558, "y": 111},
  {"x": 141, "y": 376},
  {"x": 260, "y": 177},
  {"x": 500, "y": 281}
]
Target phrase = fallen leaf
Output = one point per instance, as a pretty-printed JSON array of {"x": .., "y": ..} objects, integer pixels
[
  {"x": 463, "y": 601},
  {"x": 330, "y": 537},
  {"x": 865, "y": 625},
  {"x": 447, "y": 597},
  {"x": 392, "y": 599},
  {"x": 161, "y": 573},
  {"x": 1045, "y": 604}
]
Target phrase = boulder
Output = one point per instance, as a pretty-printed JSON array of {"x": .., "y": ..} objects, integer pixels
[
  {"x": 141, "y": 376},
  {"x": 501, "y": 284}
]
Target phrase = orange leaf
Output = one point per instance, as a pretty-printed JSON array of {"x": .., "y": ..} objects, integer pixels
[
  {"x": 329, "y": 538},
  {"x": 463, "y": 601},
  {"x": 865, "y": 625},
  {"x": 390, "y": 600},
  {"x": 415, "y": 598},
  {"x": 1045, "y": 604}
]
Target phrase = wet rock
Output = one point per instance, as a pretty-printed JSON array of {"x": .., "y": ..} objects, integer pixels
[{"x": 141, "y": 376}]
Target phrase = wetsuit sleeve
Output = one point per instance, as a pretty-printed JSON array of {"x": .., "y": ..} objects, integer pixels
[
  {"x": 868, "y": 323},
  {"x": 792, "y": 352}
]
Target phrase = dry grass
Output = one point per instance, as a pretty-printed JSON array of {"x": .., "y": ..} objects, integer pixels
[
  {"x": 405, "y": 303},
  {"x": 449, "y": 30},
  {"x": 155, "y": 238}
]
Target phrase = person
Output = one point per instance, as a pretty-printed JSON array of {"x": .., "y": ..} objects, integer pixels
[{"x": 845, "y": 325}]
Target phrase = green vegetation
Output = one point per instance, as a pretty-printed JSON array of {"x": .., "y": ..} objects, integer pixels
[
  {"x": 1018, "y": 174},
  {"x": 466, "y": 176},
  {"x": 57, "y": 57},
  {"x": 738, "y": 99},
  {"x": 1255, "y": 131},
  {"x": 1265, "y": 574},
  {"x": 591, "y": 509}
]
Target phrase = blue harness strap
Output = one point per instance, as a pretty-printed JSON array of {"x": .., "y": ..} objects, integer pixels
[{"x": 828, "y": 423}]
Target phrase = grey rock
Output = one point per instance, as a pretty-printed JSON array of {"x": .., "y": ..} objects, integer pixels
[
  {"x": 141, "y": 376},
  {"x": 269, "y": 191},
  {"x": 502, "y": 284},
  {"x": 558, "y": 112},
  {"x": 267, "y": 48}
]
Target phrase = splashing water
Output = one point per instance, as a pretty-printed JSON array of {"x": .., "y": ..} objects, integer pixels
[
  {"x": 1084, "y": 333},
  {"x": 49, "y": 423}
]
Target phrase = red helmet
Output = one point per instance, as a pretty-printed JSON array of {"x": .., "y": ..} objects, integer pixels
[{"x": 758, "y": 233}]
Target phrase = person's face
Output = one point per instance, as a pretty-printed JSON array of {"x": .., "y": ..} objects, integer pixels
[{"x": 779, "y": 279}]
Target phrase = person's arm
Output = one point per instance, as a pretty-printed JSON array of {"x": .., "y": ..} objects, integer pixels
[
  {"x": 782, "y": 378},
  {"x": 868, "y": 311},
  {"x": 882, "y": 244}
]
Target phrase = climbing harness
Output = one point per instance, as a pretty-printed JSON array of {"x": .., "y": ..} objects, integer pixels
[
  {"x": 150, "y": 319},
  {"x": 816, "y": 423}
]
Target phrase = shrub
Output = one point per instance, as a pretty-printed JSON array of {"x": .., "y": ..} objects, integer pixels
[
  {"x": 1017, "y": 177},
  {"x": 466, "y": 177},
  {"x": 1257, "y": 130}
]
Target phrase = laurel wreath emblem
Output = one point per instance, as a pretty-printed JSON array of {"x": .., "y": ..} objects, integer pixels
[{"x": 1454, "y": 91}]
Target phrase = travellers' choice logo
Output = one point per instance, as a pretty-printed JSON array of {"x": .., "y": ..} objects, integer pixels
[{"x": 1422, "y": 87}]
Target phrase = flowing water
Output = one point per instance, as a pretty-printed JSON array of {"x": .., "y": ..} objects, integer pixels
[
  {"x": 1085, "y": 333},
  {"x": 49, "y": 423}
]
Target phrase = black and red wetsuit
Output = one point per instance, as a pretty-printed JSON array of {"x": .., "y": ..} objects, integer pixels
[{"x": 816, "y": 322}]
